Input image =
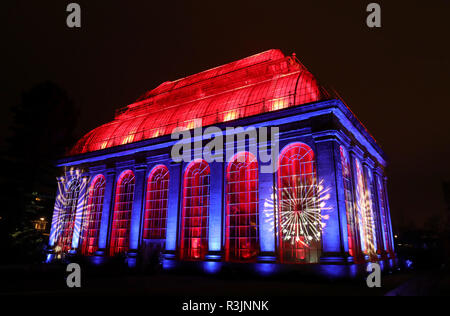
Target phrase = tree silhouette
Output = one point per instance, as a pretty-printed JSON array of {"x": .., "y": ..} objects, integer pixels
[{"x": 42, "y": 130}]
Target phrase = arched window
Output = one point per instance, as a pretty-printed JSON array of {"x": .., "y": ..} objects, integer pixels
[
  {"x": 66, "y": 219},
  {"x": 242, "y": 219},
  {"x": 384, "y": 216},
  {"x": 120, "y": 234},
  {"x": 195, "y": 217},
  {"x": 371, "y": 208},
  {"x": 364, "y": 212},
  {"x": 299, "y": 214},
  {"x": 93, "y": 217},
  {"x": 156, "y": 203},
  {"x": 348, "y": 191}
]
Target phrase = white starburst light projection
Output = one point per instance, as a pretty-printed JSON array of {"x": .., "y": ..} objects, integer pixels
[
  {"x": 301, "y": 214},
  {"x": 69, "y": 210}
]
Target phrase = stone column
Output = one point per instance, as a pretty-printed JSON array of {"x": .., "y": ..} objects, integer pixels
[
  {"x": 79, "y": 216},
  {"x": 215, "y": 210},
  {"x": 380, "y": 225},
  {"x": 388, "y": 215},
  {"x": 266, "y": 216},
  {"x": 173, "y": 209},
  {"x": 107, "y": 210},
  {"x": 341, "y": 200},
  {"x": 136, "y": 212}
]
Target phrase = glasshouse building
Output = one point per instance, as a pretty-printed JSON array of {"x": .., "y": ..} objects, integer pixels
[{"x": 250, "y": 162}]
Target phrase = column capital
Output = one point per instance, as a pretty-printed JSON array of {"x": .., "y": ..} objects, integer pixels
[
  {"x": 368, "y": 162},
  {"x": 356, "y": 151},
  {"x": 326, "y": 136},
  {"x": 378, "y": 171},
  {"x": 110, "y": 172},
  {"x": 141, "y": 167},
  {"x": 330, "y": 136}
]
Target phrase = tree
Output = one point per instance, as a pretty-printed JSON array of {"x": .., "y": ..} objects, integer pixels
[{"x": 42, "y": 131}]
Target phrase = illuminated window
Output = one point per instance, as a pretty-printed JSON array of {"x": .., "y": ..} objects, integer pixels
[
  {"x": 66, "y": 220},
  {"x": 92, "y": 220},
  {"x": 242, "y": 220},
  {"x": 299, "y": 214},
  {"x": 384, "y": 216},
  {"x": 195, "y": 218},
  {"x": 40, "y": 225},
  {"x": 120, "y": 234},
  {"x": 348, "y": 191},
  {"x": 371, "y": 207},
  {"x": 156, "y": 203},
  {"x": 364, "y": 212}
]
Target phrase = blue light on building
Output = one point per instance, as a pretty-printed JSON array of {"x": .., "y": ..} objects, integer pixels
[{"x": 325, "y": 201}]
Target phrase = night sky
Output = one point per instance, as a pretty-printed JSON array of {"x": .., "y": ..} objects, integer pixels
[{"x": 396, "y": 79}]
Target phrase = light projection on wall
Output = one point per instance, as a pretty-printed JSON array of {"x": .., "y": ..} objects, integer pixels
[
  {"x": 68, "y": 212},
  {"x": 349, "y": 204},
  {"x": 300, "y": 232},
  {"x": 365, "y": 217},
  {"x": 300, "y": 207}
]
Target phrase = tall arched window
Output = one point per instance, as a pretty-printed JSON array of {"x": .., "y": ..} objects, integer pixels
[
  {"x": 384, "y": 216},
  {"x": 364, "y": 212},
  {"x": 93, "y": 217},
  {"x": 371, "y": 208},
  {"x": 299, "y": 214},
  {"x": 242, "y": 218},
  {"x": 120, "y": 234},
  {"x": 195, "y": 217},
  {"x": 66, "y": 219},
  {"x": 156, "y": 203},
  {"x": 348, "y": 191}
]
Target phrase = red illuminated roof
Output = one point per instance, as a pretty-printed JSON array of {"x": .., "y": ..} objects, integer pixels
[{"x": 265, "y": 82}]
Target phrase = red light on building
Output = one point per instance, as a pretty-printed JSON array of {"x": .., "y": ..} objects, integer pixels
[{"x": 262, "y": 83}]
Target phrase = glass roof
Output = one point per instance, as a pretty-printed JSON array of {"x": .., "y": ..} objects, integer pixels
[{"x": 269, "y": 81}]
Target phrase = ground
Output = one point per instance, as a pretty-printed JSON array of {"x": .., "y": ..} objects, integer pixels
[{"x": 44, "y": 280}]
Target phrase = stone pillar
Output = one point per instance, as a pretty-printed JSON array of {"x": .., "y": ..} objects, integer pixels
[
  {"x": 173, "y": 209},
  {"x": 136, "y": 212},
  {"x": 383, "y": 233},
  {"x": 388, "y": 215},
  {"x": 80, "y": 213},
  {"x": 266, "y": 216},
  {"x": 215, "y": 210},
  {"x": 335, "y": 242},
  {"x": 341, "y": 200},
  {"x": 108, "y": 205}
]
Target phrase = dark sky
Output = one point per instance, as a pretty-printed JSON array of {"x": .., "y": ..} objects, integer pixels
[{"x": 396, "y": 79}]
